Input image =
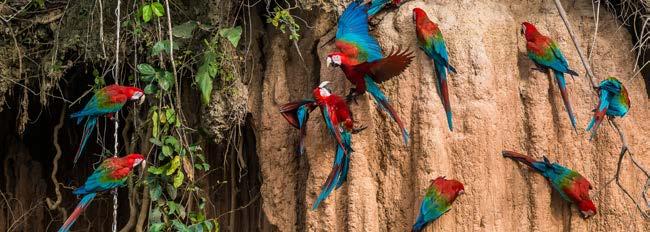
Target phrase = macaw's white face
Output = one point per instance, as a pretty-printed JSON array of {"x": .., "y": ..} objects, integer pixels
[
  {"x": 334, "y": 60},
  {"x": 137, "y": 95},
  {"x": 137, "y": 162},
  {"x": 323, "y": 90}
]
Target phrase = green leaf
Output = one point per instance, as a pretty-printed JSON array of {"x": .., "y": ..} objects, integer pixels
[
  {"x": 146, "y": 13},
  {"x": 179, "y": 226},
  {"x": 205, "y": 86},
  {"x": 146, "y": 69},
  {"x": 157, "y": 227},
  {"x": 155, "y": 191},
  {"x": 175, "y": 163},
  {"x": 206, "y": 72},
  {"x": 156, "y": 170},
  {"x": 155, "y": 124},
  {"x": 173, "y": 192},
  {"x": 167, "y": 151},
  {"x": 156, "y": 141},
  {"x": 150, "y": 89},
  {"x": 178, "y": 179},
  {"x": 184, "y": 30},
  {"x": 163, "y": 46},
  {"x": 172, "y": 141},
  {"x": 173, "y": 207},
  {"x": 158, "y": 9},
  {"x": 233, "y": 34},
  {"x": 171, "y": 118}
]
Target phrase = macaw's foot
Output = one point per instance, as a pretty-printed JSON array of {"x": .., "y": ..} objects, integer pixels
[
  {"x": 544, "y": 70},
  {"x": 358, "y": 129},
  {"x": 352, "y": 96}
]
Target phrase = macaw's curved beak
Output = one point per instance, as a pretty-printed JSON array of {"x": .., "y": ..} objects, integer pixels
[
  {"x": 143, "y": 167},
  {"x": 142, "y": 100},
  {"x": 329, "y": 61}
]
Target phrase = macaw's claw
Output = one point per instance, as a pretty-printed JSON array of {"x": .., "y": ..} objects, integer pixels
[
  {"x": 359, "y": 129},
  {"x": 352, "y": 96}
]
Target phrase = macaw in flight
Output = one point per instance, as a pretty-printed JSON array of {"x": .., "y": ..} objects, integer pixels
[{"x": 362, "y": 62}]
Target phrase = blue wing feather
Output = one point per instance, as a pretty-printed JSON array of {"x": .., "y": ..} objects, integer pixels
[{"x": 353, "y": 29}]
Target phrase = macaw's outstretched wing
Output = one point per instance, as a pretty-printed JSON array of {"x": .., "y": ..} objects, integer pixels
[
  {"x": 352, "y": 34},
  {"x": 392, "y": 65},
  {"x": 297, "y": 114}
]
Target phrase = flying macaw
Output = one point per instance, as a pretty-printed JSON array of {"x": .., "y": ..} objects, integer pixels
[
  {"x": 572, "y": 186},
  {"x": 547, "y": 55},
  {"x": 106, "y": 101},
  {"x": 361, "y": 59},
  {"x": 112, "y": 173},
  {"x": 437, "y": 201},
  {"x": 338, "y": 119},
  {"x": 431, "y": 42},
  {"x": 613, "y": 101},
  {"x": 377, "y": 5}
]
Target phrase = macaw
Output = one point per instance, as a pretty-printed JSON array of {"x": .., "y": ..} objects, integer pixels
[
  {"x": 572, "y": 186},
  {"x": 613, "y": 101},
  {"x": 547, "y": 55},
  {"x": 111, "y": 173},
  {"x": 437, "y": 201},
  {"x": 361, "y": 59},
  {"x": 339, "y": 122},
  {"x": 431, "y": 42},
  {"x": 377, "y": 5},
  {"x": 106, "y": 101}
]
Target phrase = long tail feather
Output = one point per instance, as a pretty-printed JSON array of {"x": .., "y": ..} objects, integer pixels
[
  {"x": 599, "y": 115},
  {"x": 382, "y": 102},
  {"x": 83, "y": 204},
  {"x": 559, "y": 76},
  {"x": 297, "y": 114},
  {"x": 516, "y": 156},
  {"x": 88, "y": 130},
  {"x": 347, "y": 142},
  {"x": 441, "y": 72},
  {"x": 419, "y": 224},
  {"x": 334, "y": 177}
]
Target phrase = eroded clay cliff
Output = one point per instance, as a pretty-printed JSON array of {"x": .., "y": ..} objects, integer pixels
[{"x": 498, "y": 103}]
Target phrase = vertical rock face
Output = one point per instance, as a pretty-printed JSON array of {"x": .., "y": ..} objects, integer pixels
[{"x": 498, "y": 103}]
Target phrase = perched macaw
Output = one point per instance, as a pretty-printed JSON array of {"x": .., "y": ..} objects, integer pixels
[
  {"x": 377, "y": 5},
  {"x": 361, "y": 59},
  {"x": 572, "y": 186},
  {"x": 547, "y": 55},
  {"x": 614, "y": 101},
  {"x": 437, "y": 201},
  {"x": 112, "y": 173},
  {"x": 338, "y": 119},
  {"x": 431, "y": 42},
  {"x": 106, "y": 101}
]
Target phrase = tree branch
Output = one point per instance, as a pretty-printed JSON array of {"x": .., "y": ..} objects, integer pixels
[{"x": 53, "y": 205}]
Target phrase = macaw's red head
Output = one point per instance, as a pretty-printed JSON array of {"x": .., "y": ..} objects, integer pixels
[
  {"x": 322, "y": 92},
  {"x": 450, "y": 189},
  {"x": 134, "y": 159},
  {"x": 133, "y": 93},
  {"x": 337, "y": 59},
  {"x": 587, "y": 208},
  {"x": 528, "y": 30},
  {"x": 419, "y": 15}
]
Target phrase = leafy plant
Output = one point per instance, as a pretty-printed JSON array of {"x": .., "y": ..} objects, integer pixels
[
  {"x": 150, "y": 10},
  {"x": 281, "y": 19},
  {"x": 233, "y": 34}
]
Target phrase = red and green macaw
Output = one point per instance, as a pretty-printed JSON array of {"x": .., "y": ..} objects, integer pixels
[
  {"x": 430, "y": 40},
  {"x": 106, "y": 101},
  {"x": 361, "y": 59},
  {"x": 112, "y": 173},
  {"x": 547, "y": 55},
  {"x": 437, "y": 201},
  {"x": 572, "y": 186},
  {"x": 377, "y": 5},
  {"x": 613, "y": 101},
  {"x": 339, "y": 122}
]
